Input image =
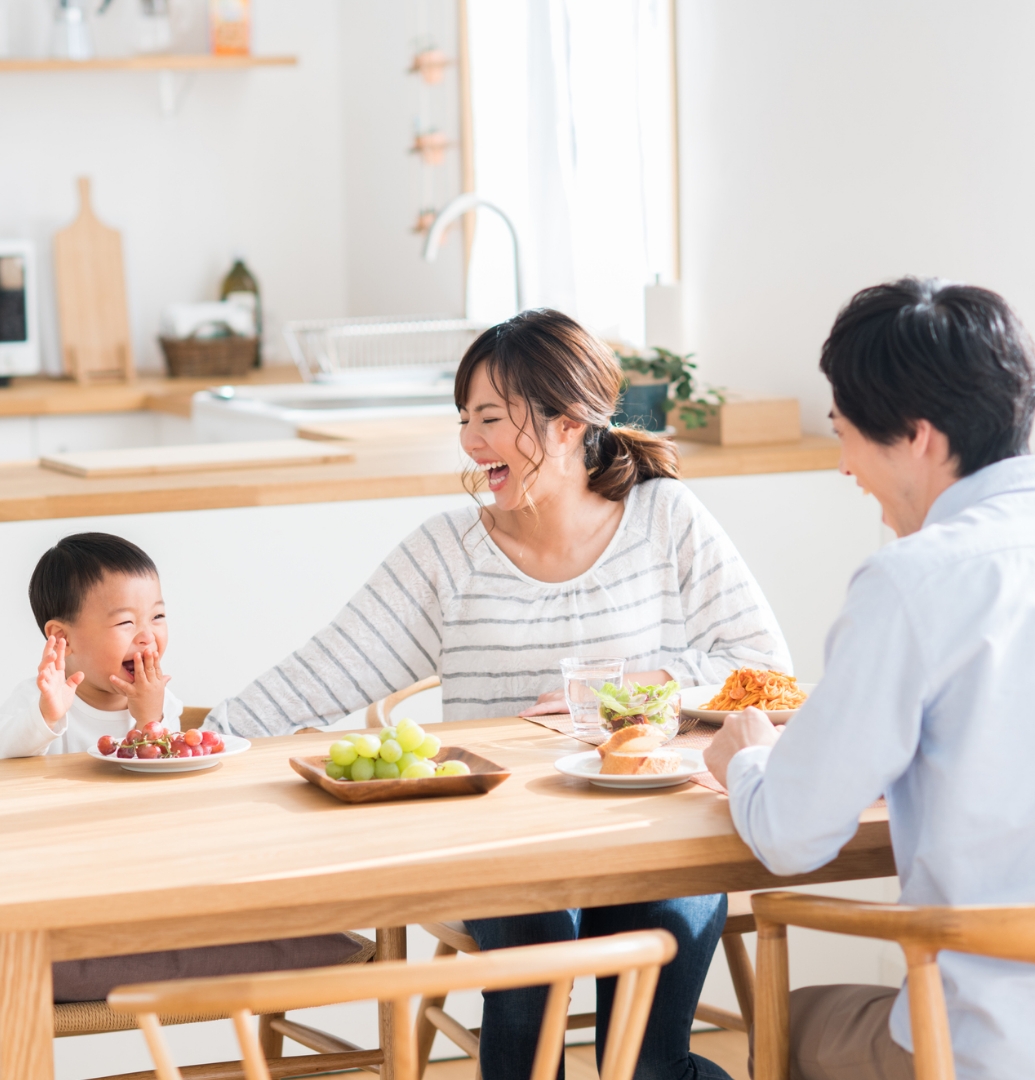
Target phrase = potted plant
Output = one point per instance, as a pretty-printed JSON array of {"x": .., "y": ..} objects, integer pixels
[{"x": 656, "y": 384}]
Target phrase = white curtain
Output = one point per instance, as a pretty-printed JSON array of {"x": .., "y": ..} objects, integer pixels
[{"x": 572, "y": 103}]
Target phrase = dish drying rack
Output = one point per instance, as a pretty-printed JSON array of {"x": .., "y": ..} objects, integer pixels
[{"x": 326, "y": 350}]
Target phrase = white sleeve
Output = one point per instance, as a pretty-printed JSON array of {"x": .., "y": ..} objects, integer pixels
[
  {"x": 798, "y": 803},
  {"x": 23, "y": 731},
  {"x": 171, "y": 711},
  {"x": 387, "y": 636}
]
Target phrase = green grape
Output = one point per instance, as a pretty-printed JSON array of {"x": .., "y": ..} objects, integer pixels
[
  {"x": 409, "y": 738},
  {"x": 391, "y": 751},
  {"x": 386, "y": 733},
  {"x": 334, "y": 770},
  {"x": 352, "y": 736},
  {"x": 419, "y": 770},
  {"x": 429, "y": 747},
  {"x": 363, "y": 769},
  {"x": 343, "y": 753},
  {"x": 406, "y": 761},
  {"x": 368, "y": 746},
  {"x": 453, "y": 768},
  {"x": 386, "y": 770},
  {"x": 405, "y": 722}
]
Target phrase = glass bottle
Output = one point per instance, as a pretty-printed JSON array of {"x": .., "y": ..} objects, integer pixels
[{"x": 240, "y": 287}]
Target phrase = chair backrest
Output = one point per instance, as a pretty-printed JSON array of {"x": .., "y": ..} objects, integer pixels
[
  {"x": 636, "y": 958},
  {"x": 379, "y": 713},
  {"x": 1006, "y": 933}
]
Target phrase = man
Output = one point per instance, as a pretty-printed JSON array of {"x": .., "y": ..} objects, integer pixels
[{"x": 928, "y": 695}]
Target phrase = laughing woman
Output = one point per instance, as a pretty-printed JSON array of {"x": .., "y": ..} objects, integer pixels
[{"x": 592, "y": 547}]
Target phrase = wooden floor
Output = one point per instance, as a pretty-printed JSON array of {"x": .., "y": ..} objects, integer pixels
[{"x": 727, "y": 1049}]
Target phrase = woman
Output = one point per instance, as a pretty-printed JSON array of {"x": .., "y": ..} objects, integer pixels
[{"x": 592, "y": 546}]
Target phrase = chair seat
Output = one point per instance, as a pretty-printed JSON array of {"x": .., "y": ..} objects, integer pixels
[{"x": 96, "y": 1018}]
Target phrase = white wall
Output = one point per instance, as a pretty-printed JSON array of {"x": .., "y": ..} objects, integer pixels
[
  {"x": 252, "y": 161},
  {"x": 385, "y": 185},
  {"x": 830, "y": 146}
]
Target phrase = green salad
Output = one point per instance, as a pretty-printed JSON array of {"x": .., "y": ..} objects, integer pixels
[{"x": 621, "y": 706}]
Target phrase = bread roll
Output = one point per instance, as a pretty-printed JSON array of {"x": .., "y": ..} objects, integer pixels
[
  {"x": 653, "y": 763},
  {"x": 637, "y": 738}
]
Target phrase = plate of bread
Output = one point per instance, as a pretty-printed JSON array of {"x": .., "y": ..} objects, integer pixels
[{"x": 633, "y": 758}]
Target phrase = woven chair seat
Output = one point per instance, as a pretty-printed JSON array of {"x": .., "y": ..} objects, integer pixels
[{"x": 95, "y": 1018}]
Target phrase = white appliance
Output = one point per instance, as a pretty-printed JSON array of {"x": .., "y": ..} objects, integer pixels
[{"x": 19, "y": 328}]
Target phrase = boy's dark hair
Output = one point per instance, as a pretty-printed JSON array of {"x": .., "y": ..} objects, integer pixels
[
  {"x": 925, "y": 349},
  {"x": 68, "y": 571}
]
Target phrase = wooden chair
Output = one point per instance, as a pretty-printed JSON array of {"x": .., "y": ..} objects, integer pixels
[
  {"x": 636, "y": 959},
  {"x": 96, "y": 1018},
  {"x": 379, "y": 713},
  {"x": 453, "y": 938},
  {"x": 1006, "y": 933}
]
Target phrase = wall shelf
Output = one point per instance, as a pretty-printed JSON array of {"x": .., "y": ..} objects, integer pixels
[{"x": 158, "y": 62}]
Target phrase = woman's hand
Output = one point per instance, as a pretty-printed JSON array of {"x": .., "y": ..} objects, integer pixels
[
  {"x": 146, "y": 693},
  {"x": 56, "y": 692},
  {"x": 547, "y": 704}
]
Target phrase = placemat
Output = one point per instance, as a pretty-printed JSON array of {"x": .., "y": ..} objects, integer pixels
[{"x": 692, "y": 733}]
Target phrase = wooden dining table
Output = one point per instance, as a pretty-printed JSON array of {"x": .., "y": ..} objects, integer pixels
[{"x": 97, "y": 861}]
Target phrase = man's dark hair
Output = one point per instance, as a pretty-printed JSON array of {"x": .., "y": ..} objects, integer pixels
[
  {"x": 925, "y": 349},
  {"x": 68, "y": 571}
]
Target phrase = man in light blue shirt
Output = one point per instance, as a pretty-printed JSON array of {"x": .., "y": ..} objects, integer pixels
[{"x": 928, "y": 696}]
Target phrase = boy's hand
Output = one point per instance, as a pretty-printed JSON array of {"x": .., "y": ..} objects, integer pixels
[
  {"x": 56, "y": 692},
  {"x": 146, "y": 694}
]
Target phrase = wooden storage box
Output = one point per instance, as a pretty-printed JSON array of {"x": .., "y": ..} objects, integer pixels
[{"x": 746, "y": 422}]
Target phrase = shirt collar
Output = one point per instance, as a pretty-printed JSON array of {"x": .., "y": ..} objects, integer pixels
[{"x": 1010, "y": 474}]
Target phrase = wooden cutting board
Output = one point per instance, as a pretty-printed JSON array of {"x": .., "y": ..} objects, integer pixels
[
  {"x": 197, "y": 457},
  {"x": 91, "y": 297}
]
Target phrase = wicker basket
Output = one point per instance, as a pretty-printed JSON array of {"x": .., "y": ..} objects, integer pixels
[{"x": 232, "y": 355}]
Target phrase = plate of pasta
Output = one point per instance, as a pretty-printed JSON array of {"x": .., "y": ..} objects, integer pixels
[{"x": 778, "y": 695}]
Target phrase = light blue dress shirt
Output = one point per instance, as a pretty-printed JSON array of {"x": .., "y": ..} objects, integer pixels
[{"x": 928, "y": 698}]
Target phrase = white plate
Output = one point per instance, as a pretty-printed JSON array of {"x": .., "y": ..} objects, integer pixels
[
  {"x": 693, "y": 697},
  {"x": 234, "y": 745},
  {"x": 586, "y": 766}
]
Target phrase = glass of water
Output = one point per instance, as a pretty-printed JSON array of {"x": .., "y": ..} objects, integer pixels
[{"x": 583, "y": 676}]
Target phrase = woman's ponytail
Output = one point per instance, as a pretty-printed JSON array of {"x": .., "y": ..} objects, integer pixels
[{"x": 619, "y": 458}]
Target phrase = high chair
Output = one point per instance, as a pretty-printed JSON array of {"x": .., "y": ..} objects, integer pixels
[
  {"x": 1006, "y": 933},
  {"x": 96, "y": 1018},
  {"x": 636, "y": 958}
]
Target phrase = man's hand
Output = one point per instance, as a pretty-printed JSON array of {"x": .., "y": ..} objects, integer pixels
[
  {"x": 56, "y": 692},
  {"x": 739, "y": 730},
  {"x": 146, "y": 694}
]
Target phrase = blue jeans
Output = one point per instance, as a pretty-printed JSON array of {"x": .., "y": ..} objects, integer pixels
[{"x": 511, "y": 1018}]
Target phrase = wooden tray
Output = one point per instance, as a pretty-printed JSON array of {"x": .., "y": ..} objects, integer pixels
[{"x": 484, "y": 776}]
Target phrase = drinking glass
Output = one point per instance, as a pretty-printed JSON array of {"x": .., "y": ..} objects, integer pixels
[{"x": 583, "y": 676}]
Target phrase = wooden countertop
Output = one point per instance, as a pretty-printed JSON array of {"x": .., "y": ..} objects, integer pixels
[
  {"x": 391, "y": 461},
  {"x": 41, "y": 396}
]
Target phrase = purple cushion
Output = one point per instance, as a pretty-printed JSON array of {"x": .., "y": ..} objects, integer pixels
[{"x": 93, "y": 979}]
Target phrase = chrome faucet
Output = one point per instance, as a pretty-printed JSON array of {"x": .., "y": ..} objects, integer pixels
[{"x": 457, "y": 208}]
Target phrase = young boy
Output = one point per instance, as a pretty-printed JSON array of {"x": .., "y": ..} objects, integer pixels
[{"x": 98, "y": 601}]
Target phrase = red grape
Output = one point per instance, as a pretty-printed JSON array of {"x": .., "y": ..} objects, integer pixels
[
  {"x": 149, "y": 751},
  {"x": 209, "y": 738},
  {"x": 154, "y": 730},
  {"x": 205, "y": 750},
  {"x": 135, "y": 736},
  {"x": 219, "y": 747},
  {"x": 181, "y": 749},
  {"x": 197, "y": 751},
  {"x": 107, "y": 745},
  {"x": 126, "y": 752},
  {"x": 192, "y": 737}
]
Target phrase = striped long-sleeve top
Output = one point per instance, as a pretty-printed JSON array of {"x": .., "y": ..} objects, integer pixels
[{"x": 669, "y": 592}]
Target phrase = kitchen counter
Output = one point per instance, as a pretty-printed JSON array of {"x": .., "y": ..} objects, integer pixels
[
  {"x": 393, "y": 459},
  {"x": 38, "y": 395}
]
